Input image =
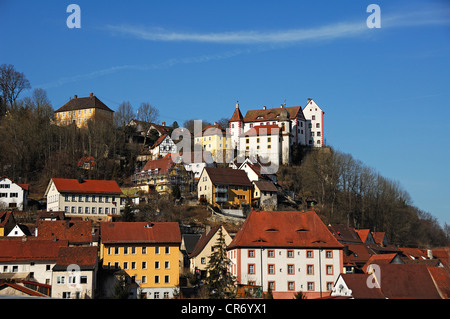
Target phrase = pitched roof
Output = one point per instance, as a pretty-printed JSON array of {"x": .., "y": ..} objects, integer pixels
[
  {"x": 204, "y": 239},
  {"x": 159, "y": 140},
  {"x": 237, "y": 115},
  {"x": 284, "y": 229},
  {"x": 265, "y": 186},
  {"x": 80, "y": 103},
  {"x": 356, "y": 254},
  {"x": 378, "y": 237},
  {"x": 227, "y": 176},
  {"x": 4, "y": 217},
  {"x": 263, "y": 130},
  {"x": 441, "y": 277},
  {"x": 74, "y": 231},
  {"x": 162, "y": 164},
  {"x": 272, "y": 114},
  {"x": 140, "y": 232},
  {"x": 66, "y": 185},
  {"x": 360, "y": 290},
  {"x": 379, "y": 259},
  {"x": 16, "y": 249},
  {"x": 85, "y": 257},
  {"x": 215, "y": 129},
  {"x": 344, "y": 233},
  {"x": 24, "y": 290},
  {"x": 363, "y": 234},
  {"x": 23, "y": 186}
]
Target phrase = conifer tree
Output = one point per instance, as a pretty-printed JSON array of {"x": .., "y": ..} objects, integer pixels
[{"x": 220, "y": 282}]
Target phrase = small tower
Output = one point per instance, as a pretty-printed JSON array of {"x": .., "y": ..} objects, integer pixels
[
  {"x": 285, "y": 123},
  {"x": 236, "y": 126}
]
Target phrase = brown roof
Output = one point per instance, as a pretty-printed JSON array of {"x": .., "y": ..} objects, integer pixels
[
  {"x": 80, "y": 103},
  {"x": 4, "y": 217},
  {"x": 284, "y": 229},
  {"x": 84, "y": 257},
  {"x": 358, "y": 284},
  {"x": 344, "y": 233},
  {"x": 265, "y": 186},
  {"x": 379, "y": 259},
  {"x": 206, "y": 237},
  {"x": 272, "y": 114},
  {"x": 237, "y": 115},
  {"x": 140, "y": 232},
  {"x": 66, "y": 185},
  {"x": 23, "y": 289},
  {"x": 15, "y": 249},
  {"x": 441, "y": 277},
  {"x": 228, "y": 176},
  {"x": 356, "y": 254},
  {"x": 74, "y": 231},
  {"x": 163, "y": 165}
]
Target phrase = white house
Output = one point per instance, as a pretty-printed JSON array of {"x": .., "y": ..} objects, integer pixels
[
  {"x": 163, "y": 146},
  {"x": 288, "y": 251},
  {"x": 83, "y": 198},
  {"x": 12, "y": 195},
  {"x": 314, "y": 122}
]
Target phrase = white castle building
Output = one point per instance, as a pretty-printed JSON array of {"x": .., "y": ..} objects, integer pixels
[{"x": 270, "y": 134}]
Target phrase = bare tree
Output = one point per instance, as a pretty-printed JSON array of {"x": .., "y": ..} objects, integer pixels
[
  {"x": 12, "y": 83},
  {"x": 124, "y": 114},
  {"x": 147, "y": 113}
]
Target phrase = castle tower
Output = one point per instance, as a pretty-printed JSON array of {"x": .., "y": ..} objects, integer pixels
[{"x": 236, "y": 125}]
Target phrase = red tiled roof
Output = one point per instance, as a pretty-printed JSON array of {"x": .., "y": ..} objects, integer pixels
[
  {"x": 379, "y": 259},
  {"x": 15, "y": 249},
  {"x": 443, "y": 254},
  {"x": 23, "y": 186},
  {"x": 85, "y": 257},
  {"x": 81, "y": 103},
  {"x": 162, "y": 164},
  {"x": 357, "y": 254},
  {"x": 228, "y": 176},
  {"x": 378, "y": 237},
  {"x": 262, "y": 130},
  {"x": 363, "y": 233},
  {"x": 237, "y": 116},
  {"x": 272, "y": 114},
  {"x": 74, "y": 231},
  {"x": 24, "y": 290},
  {"x": 358, "y": 284},
  {"x": 66, "y": 185},
  {"x": 441, "y": 277},
  {"x": 284, "y": 229},
  {"x": 140, "y": 232}
]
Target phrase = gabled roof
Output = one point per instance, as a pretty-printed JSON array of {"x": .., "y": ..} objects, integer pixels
[
  {"x": 379, "y": 259},
  {"x": 344, "y": 233},
  {"x": 441, "y": 278},
  {"x": 363, "y": 234},
  {"x": 80, "y": 103},
  {"x": 356, "y": 254},
  {"x": 162, "y": 164},
  {"x": 237, "y": 115},
  {"x": 23, "y": 186},
  {"x": 215, "y": 129},
  {"x": 204, "y": 239},
  {"x": 284, "y": 229},
  {"x": 84, "y": 257},
  {"x": 67, "y": 185},
  {"x": 357, "y": 283},
  {"x": 265, "y": 186},
  {"x": 227, "y": 176},
  {"x": 140, "y": 232},
  {"x": 74, "y": 231},
  {"x": 159, "y": 140},
  {"x": 272, "y": 114},
  {"x": 16, "y": 249},
  {"x": 263, "y": 130},
  {"x": 379, "y": 237}
]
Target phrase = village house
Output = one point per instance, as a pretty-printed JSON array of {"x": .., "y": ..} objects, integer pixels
[
  {"x": 74, "y": 275},
  {"x": 13, "y": 195},
  {"x": 29, "y": 258},
  {"x": 265, "y": 195},
  {"x": 219, "y": 186},
  {"x": 214, "y": 139},
  {"x": 201, "y": 253},
  {"x": 79, "y": 111},
  {"x": 286, "y": 252},
  {"x": 162, "y": 175},
  {"x": 148, "y": 253},
  {"x": 163, "y": 146},
  {"x": 84, "y": 198}
]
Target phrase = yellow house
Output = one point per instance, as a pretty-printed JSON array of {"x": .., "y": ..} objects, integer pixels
[
  {"x": 213, "y": 138},
  {"x": 79, "y": 111},
  {"x": 149, "y": 254},
  {"x": 220, "y": 186}
]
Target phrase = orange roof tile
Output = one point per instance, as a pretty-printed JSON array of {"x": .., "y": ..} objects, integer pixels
[
  {"x": 162, "y": 164},
  {"x": 263, "y": 130},
  {"x": 15, "y": 249},
  {"x": 284, "y": 229},
  {"x": 66, "y": 185},
  {"x": 140, "y": 232},
  {"x": 83, "y": 256},
  {"x": 74, "y": 231},
  {"x": 272, "y": 114}
]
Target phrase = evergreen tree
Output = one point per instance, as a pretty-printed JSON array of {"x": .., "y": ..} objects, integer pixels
[{"x": 219, "y": 281}]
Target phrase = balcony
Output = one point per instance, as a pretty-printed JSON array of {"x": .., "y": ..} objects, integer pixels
[
  {"x": 221, "y": 189},
  {"x": 221, "y": 199}
]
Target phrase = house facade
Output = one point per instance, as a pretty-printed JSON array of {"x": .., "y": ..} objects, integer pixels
[
  {"x": 162, "y": 147},
  {"x": 74, "y": 275},
  {"x": 224, "y": 186},
  {"x": 149, "y": 254},
  {"x": 288, "y": 251},
  {"x": 214, "y": 139},
  {"x": 79, "y": 111},
  {"x": 83, "y": 198},
  {"x": 13, "y": 195}
]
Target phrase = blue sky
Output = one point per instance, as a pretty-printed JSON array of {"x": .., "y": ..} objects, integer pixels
[{"x": 385, "y": 91}]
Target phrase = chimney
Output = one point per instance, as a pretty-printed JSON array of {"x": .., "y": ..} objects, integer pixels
[
  {"x": 75, "y": 96},
  {"x": 91, "y": 94},
  {"x": 163, "y": 123},
  {"x": 264, "y": 107},
  {"x": 80, "y": 180}
]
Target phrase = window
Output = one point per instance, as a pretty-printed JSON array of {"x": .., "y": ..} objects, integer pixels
[
  {"x": 166, "y": 279},
  {"x": 251, "y": 253},
  {"x": 309, "y": 254},
  {"x": 144, "y": 265},
  {"x": 156, "y": 282},
  {"x": 125, "y": 265},
  {"x": 93, "y": 210},
  {"x": 291, "y": 286},
  {"x": 271, "y": 253},
  {"x": 167, "y": 250},
  {"x": 66, "y": 294},
  {"x": 317, "y": 125},
  {"x": 290, "y": 269},
  {"x": 247, "y": 140},
  {"x": 83, "y": 280},
  {"x": 271, "y": 269},
  {"x": 310, "y": 269},
  {"x": 166, "y": 265},
  {"x": 13, "y": 195},
  {"x": 144, "y": 279},
  {"x": 72, "y": 280},
  {"x": 329, "y": 254},
  {"x": 157, "y": 295},
  {"x": 116, "y": 250},
  {"x": 310, "y": 286},
  {"x": 251, "y": 269},
  {"x": 125, "y": 250},
  {"x": 133, "y": 250},
  {"x": 166, "y": 295},
  {"x": 157, "y": 250},
  {"x": 329, "y": 269},
  {"x": 86, "y": 210},
  {"x": 203, "y": 261},
  {"x": 144, "y": 250},
  {"x": 290, "y": 253},
  {"x": 313, "y": 117},
  {"x": 133, "y": 265},
  {"x": 269, "y": 140},
  {"x": 156, "y": 264},
  {"x": 60, "y": 280},
  {"x": 271, "y": 285},
  {"x": 330, "y": 285}
]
